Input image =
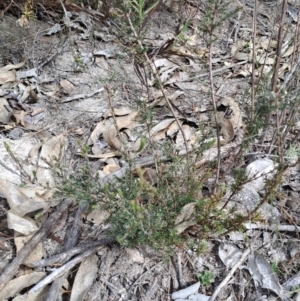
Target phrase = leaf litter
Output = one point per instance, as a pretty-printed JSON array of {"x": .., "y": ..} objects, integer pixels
[{"x": 113, "y": 132}]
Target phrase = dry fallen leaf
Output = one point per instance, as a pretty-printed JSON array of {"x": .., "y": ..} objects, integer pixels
[
  {"x": 110, "y": 137},
  {"x": 67, "y": 86},
  {"x": 227, "y": 129},
  {"x": 101, "y": 127},
  {"x": 54, "y": 148},
  {"x": 98, "y": 216},
  {"x": 84, "y": 278},
  {"x": 19, "y": 283},
  {"x": 187, "y": 132},
  {"x": 110, "y": 168},
  {"x": 35, "y": 255},
  {"x": 19, "y": 116},
  {"x": 4, "y": 113},
  {"x": 118, "y": 112},
  {"x": 23, "y": 21},
  {"x": 22, "y": 225},
  {"x": 7, "y": 76}
]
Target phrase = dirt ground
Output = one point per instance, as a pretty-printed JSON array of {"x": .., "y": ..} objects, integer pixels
[{"x": 81, "y": 61}]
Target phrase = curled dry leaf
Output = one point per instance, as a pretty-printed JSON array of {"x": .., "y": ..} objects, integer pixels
[
  {"x": 236, "y": 47},
  {"x": 264, "y": 275},
  {"x": 226, "y": 127},
  {"x": 110, "y": 137},
  {"x": 101, "y": 127},
  {"x": 4, "y": 113},
  {"x": 20, "y": 116},
  {"x": 37, "y": 111},
  {"x": 29, "y": 92},
  {"x": 67, "y": 86},
  {"x": 163, "y": 125},
  {"x": 107, "y": 125},
  {"x": 186, "y": 213},
  {"x": 127, "y": 121},
  {"x": 258, "y": 171},
  {"x": 229, "y": 254},
  {"x": 178, "y": 76},
  {"x": 108, "y": 169},
  {"x": 187, "y": 132},
  {"x": 184, "y": 219},
  {"x": 173, "y": 128},
  {"x": 118, "y": 112},
  {"x": 20, "y": 200},
  {"x": 236, "y": 115},
  {"x": 54, "y": 148}
]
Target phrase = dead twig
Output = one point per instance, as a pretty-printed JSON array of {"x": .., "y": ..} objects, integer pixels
[
  {"x": 79, "y": 96},
  {"x": 253, "y": 60},
  {"x": 213, "y": 100},
  {"x": 63, "y": 270},
  {"x": 154, "y": 71},
  {"x": 230, "y": 274},
  {"x": 283, "y": 228},
  {"x": 63, "y": 257},
  {"x": 12, "y": 269},
  {"x": 220, "y": 70},
  {"x": 71, "y": 242}
]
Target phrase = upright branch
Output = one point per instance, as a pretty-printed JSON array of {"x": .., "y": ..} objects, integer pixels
[{"x": 253, "y": 60}]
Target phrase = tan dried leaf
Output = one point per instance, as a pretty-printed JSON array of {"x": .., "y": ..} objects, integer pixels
[
  {"x": 237, "y": 114},
  {"x": 4, "y": 113},
  {"x": 16, "y": 285},
  {"x": 98, "y": 216},
  {"x": 67, "y": 86},
  {"x": 184, "y": 219},
  {"x": 19, "y": 116},
  {"x": 186, "y": 213},
  {"x": 7, "y": 76},
  {"x": 127, "y": 121},
  {"x": 289, "y": 51},
  {"x": 37, "y": 111},
  {"x": 110, "y": 137},
  {"x": 163, "y": 125},
  {"x": 187, "y": 132},
  {"x": 101, "y": 127},
  {"x": 35, "y": 255},
  {"x": 226, "y": 127},
  {"x": 110, "y": 168},
  {"x": 150, "y": 175},
  {"x": 52, "y": 149},
  {"x": 118, "y": 112},
  {"x": 24, "y": 225},
  {"x": 23, "y": 21}
]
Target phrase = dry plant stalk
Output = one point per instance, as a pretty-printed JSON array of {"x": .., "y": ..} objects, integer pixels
[{"x": 154, "y": 71}]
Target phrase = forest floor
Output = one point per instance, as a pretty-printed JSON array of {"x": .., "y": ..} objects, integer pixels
[{"x": 62, "y": 77}]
